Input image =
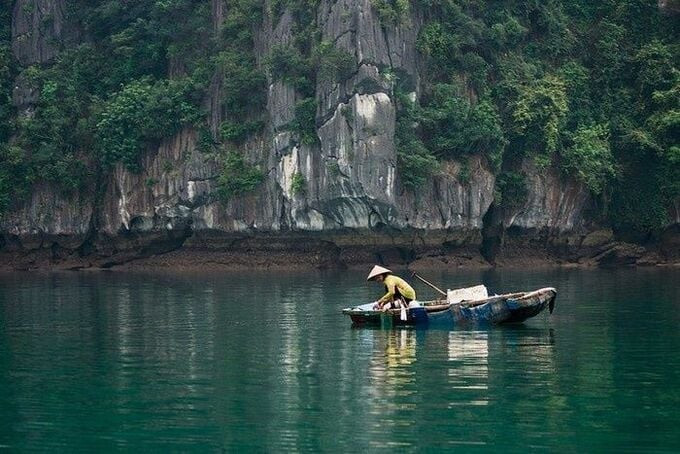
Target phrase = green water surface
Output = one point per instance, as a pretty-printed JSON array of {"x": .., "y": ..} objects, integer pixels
[{"x": 265, "y": 362}]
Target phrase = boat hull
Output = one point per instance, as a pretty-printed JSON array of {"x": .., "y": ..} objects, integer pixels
[
  {"x": 509, "y": 308},
  {"x": 415, "y": 316},
  {"x": 512, "y": 308}
]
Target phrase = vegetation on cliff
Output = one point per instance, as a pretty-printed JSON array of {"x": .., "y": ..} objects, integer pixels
[
  {"x": 7, "y": 161},
  {"x": 590, "y": 88}
]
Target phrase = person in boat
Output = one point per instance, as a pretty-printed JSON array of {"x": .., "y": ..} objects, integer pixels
[{"x": 398, "y": 290}]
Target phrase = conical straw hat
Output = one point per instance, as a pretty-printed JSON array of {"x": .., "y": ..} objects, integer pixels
[{"x": 377, "y": 271}]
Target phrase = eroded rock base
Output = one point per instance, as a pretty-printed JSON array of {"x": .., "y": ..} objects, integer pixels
[{"x": 187, "y": 249}]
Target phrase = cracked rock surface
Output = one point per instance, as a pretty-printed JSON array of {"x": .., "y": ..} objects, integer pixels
[{"x": 353, "y": 207}]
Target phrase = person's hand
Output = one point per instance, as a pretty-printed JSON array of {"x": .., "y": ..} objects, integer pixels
[{"x": 376, "y": 306}]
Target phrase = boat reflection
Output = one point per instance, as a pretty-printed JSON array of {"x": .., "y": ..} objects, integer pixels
[
  {"x": 468, "y": 356},
  {"x": 391, "y": 367}
]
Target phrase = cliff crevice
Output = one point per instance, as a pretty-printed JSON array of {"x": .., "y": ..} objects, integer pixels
[{"x": 336, "y": 201}]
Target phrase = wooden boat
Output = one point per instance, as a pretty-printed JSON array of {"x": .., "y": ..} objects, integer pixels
[
  {"x": 508, "y": 308},
  {"x": 365, "y": 315}
]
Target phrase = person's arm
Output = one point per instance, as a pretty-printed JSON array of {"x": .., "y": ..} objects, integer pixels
[{"x": 388, "y": 296}]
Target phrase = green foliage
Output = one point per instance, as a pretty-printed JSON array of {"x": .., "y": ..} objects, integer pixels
[
  {"x": 51, "y": 137},
  {"x": 298, "y": 185},
  {"x": 641, "y": 199},
  {"x": 447, "y": 126},
  {"x": 205, "y": 142},
  {"x": 5, "y": 191},
  {"x": 239, "y": 132},
  {"x": 539, "y": 113},
  {"x": 286, "y": 63},
  {"x": 391, "y": 12},
  {"x": 304, "y": 124},
  {"x": 237, "y": 176},
  {"x": 139, "y": 75},
  {"x": 142, "y": 112},
  {"x": 333, "y": 64},
  {"x": 6, "y": 72},
  {"x": 517, "y": 67},
  {"x": 13, "y": 171},
  {"x": 508, "y": 80},
  {"x": 244, "y": 85},
  {"x": 507, "y": 33},
  {"x": 656, "y": 68},
  {"x": 511, "y": 191},
  {"x": 307, "y": 59},
  {"x": 589, "y": 157},
  {"x": 106, "y": 98},
  {"x": 464, "y": 172},
  {"x": 556, "y": 73},
  {"x": 453, "y": 127},
  {"x": 333, "y": 168},
  {"x": 325, "y": 62},
  {"x": 415, "y": 162},
  {"x": 438, "y": 44}
]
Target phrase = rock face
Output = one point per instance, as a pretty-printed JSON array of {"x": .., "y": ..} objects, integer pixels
[
  {"x": 37, "y": 30},
  {"x": 669, "y": 6},
  {"x": 352, "y": 208}
]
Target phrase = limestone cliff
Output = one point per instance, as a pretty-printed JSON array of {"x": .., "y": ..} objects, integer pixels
[{"x": 353, "y": 208}]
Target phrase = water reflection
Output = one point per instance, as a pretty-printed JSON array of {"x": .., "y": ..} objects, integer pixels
[
  {"x": 391, "y": 367},
  {"x": 265, "y": 362},
  {"x": 468, "y": 354}
]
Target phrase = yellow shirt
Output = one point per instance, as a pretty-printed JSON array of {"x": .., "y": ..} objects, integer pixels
[{"x": 394, "y": 283}]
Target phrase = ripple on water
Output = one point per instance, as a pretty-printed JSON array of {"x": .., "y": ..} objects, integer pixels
[{"x": 265, "y": 362}]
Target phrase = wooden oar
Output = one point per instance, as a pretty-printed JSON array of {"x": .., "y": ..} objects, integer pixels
[{"x": 442, "y": 292}]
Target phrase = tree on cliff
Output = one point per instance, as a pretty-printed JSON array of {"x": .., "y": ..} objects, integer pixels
[{"x": 589, "y": 88}]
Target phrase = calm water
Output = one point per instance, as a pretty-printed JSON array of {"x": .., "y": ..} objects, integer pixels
[{"x": 265, "y": 362}]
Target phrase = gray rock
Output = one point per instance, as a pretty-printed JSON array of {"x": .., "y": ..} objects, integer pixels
[
  {"x": 554, "y": 203},
  {"x": 37, "y": 29},
  {"x": 352, "y": 204},
  {"x": 670, "y": 7}
]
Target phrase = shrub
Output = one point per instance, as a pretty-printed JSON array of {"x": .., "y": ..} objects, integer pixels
[
  {"x": 5, "y": 192},
  {"x": 453, "y": 127},
  {"x": 286, "y": 63},
  {"x": 416, "y": 164},
  {"x": 244, "y": 85},
  {"x": 239, "y": 132},
  {"x": 325, "y": 62},
  {"x": 589, "y": 157},
  {"x": 304, "y": 124},
  {"x": 414, "y": 161},
  {"x": 539, "y": 113},
  {"x": 464, "y": 173},
  {"x": 391, "y": 12},
  {"x": 333, "y": 64},
  {"x": 142, "y": 112},
  {"x": 237, "y": 176},
  {"x": 511, "y": 191},
  {"x": 348, "y": 113},
  {"x": 640, "y": 201},
  {"x": 298, "y": 184},
  {"x": 205, "y": 143},
  {"x": 437, "y": 44},
  {"x": 6, "y": 109},
  {"x": 333, "y": 169}
]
